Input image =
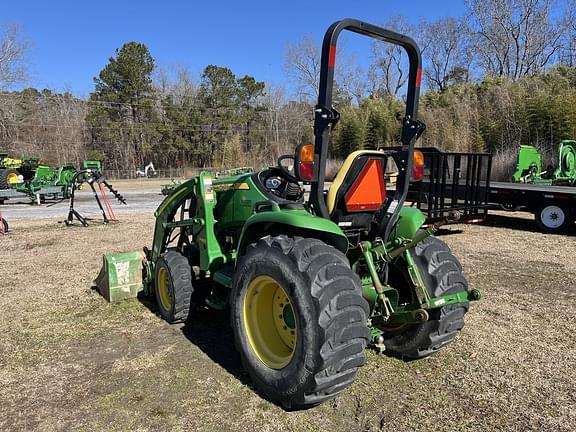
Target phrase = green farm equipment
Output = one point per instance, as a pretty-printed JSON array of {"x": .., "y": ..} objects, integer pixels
[
  {"x": 15, "y": 171},
  {"x": 47, "y": 182},
  {"x": 166, "y": 189},
  {"x": 38, "y": 181},
  {"x": 310, "y": 280},
  {"x": 529, "y": 166},
  {"x": 93, "y": 164}
]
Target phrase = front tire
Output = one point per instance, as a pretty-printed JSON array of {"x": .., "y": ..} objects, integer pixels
[
  {"x": 299, "y": 320},
  {"x": 442, "y": 274},
  {"x": 173, "y": 286}
]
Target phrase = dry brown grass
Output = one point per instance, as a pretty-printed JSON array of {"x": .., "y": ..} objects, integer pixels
[{"x": 69, "y": 360}]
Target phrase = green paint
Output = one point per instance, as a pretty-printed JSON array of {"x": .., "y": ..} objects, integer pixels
[
  {"x": 292, "y": 222},
  {"x": 529, "y": 166},
  {"x": 409, "y": 222},
  {"x": 529, "y": 163},
  {"x": 121, "y": 276}
]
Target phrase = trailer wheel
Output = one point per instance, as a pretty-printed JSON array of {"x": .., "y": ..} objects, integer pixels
[
  {"x": 554, "y": 218},
  {"x": 442, "y": 274},
  {"x": 173, "y": 286},
  {"x": 299, "y": 320}
]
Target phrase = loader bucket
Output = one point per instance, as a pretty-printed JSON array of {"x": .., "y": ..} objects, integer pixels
[{"x": 121, "y": 276}]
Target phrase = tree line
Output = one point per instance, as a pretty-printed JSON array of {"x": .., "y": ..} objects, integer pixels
[{"x": 502, "y": 75}]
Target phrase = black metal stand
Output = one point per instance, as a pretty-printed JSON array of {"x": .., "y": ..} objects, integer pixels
[{"x": 91, "y": 177}]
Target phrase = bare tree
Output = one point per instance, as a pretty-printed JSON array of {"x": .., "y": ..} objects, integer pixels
[
  {"x": 568, "y": 49},
  {"x": 302, "y": 64},
  {"x": 13, "y": 50},
  {"x": 514, "y": 38},
  {"x": 448, "y": 53},
  {"x": 389, "y": 71},
  {"x": 351, "y": 79},
  {"x": 180, "y": 85}
]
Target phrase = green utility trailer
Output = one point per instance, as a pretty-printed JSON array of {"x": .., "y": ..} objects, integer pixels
[{"x": 309, "y": 280}]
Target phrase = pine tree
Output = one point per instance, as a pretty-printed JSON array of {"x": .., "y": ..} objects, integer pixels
[
  {"x": 376, "y": 131},
  {"x": 350, "y": 137},
  {"x": 121, "y": 106}
]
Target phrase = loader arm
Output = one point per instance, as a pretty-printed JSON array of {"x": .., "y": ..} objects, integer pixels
[{"x": 202, "y": 222}]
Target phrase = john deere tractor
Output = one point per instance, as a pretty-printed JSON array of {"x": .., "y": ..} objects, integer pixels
[
  {"x": 10, "y": 170},
  {"x": 310, "y": 280}
]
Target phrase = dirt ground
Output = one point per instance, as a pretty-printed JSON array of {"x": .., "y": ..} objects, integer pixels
[{"x": 71, "y": 361}]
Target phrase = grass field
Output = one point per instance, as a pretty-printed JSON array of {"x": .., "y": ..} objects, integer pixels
[{"x": 71, "y": 361}]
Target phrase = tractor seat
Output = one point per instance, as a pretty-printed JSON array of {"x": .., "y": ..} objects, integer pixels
[{"x": 358, "y": 190}]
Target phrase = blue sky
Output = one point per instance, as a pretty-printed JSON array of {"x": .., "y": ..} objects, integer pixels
[{"x": 71, "y": 41}]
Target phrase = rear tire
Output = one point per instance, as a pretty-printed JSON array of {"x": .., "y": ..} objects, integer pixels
[
  {"x": 5, "y": 178},
  {"x": 442, "y": 274},
  {"x": 173, "y": 286},
  {"x": 328, "y": 314},
  {"x": 4, "y": 227},
  {"x": 554, "y": 218}
]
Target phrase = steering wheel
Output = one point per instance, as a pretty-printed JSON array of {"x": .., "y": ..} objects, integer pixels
[
  {"x": 276, "y": 181},
  {"x": 285, "y": 170}
]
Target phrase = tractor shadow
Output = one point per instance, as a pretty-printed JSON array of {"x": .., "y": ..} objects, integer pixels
[{"x": 210, "y": 331}]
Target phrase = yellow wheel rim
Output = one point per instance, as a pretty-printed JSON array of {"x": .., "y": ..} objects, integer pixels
[
  {"x": 163, "y": 287},
  {"x": 270, "y": 322},
  {"x": 12, "y": 178}
]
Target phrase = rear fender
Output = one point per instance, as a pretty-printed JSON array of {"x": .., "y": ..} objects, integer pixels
[
  {"x": 292, "y": 223},
  {"x": 410, "y": 220}
]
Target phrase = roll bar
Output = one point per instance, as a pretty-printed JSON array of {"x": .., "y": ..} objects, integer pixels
[{"x": 326, "y": 116}]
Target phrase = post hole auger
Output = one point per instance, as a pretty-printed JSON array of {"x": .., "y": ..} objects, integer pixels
[
  {"x": 93, "y": 178},
  {"x": 311, "y": 281}
]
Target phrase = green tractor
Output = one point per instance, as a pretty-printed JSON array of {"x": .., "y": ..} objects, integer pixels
[
  {"x": 529, "y": 166},
  {"x": 15, "y": 171},
  {"x": 29, "y": 176},
  {"x": 310, "y": 280}
]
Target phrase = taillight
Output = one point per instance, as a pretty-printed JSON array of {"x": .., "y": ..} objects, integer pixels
[
  {"x": 306, "y": 171},
  {"x": 305, "y": 162},
  {"x": 418, "y": 166}
]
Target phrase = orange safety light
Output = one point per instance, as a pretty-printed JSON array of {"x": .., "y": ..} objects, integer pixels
[
  {"x": 304, "y": 162},
  {"x": 368, "y": 192},
  {"x": 307, "y": 153},
  {"x": 418, "y": 167}
]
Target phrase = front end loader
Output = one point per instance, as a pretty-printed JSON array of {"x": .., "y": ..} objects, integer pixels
[{"x": 310, "y": 279}]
